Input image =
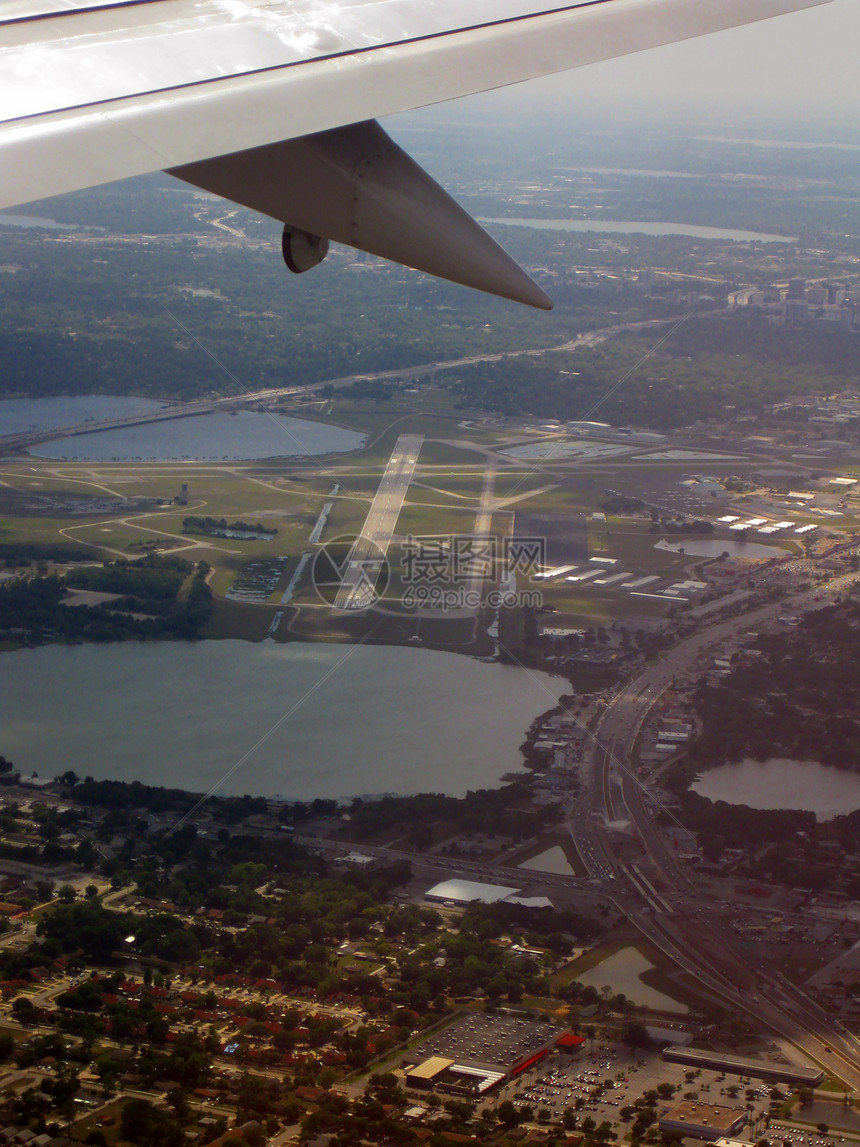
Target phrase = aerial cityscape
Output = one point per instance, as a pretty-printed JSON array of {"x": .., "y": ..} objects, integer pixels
[{"x": 425, "y": 720}]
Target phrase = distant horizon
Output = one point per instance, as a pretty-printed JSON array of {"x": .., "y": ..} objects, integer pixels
[
  {"x": 501, "y": 110},
  {"x": 797, "y": 73}
]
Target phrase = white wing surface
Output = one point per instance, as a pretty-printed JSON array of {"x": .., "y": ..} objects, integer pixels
[{"x": 97, "y": 90}]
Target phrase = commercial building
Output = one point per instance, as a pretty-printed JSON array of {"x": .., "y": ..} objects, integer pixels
[
  {"x": 425, "y": 1074},
  {"x": 708, "y": 1121},
  {"x": 463, "y": 892},
  {"x": 479, "y": 1051},
  {"x": 358, "y": 860},
  {"x": 737, "y": 1065}
]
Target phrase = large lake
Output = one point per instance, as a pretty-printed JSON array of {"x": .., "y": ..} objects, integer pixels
[
  {"x": 615, "y": 227},
  {"x": 779, "y": 783},
  {"x": 29, "y": 221},
  {"x": 203, "y": 437},
  {"x": 206, "y": 437},
  {"x": 18, "y": 415},
  {"x": 295, "y": 720}
]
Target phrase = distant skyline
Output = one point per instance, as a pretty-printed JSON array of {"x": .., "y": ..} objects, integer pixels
[{"x": 804, "y": 64}]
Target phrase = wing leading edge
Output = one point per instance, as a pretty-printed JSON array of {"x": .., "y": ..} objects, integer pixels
[{"x": 215, "y": 89}]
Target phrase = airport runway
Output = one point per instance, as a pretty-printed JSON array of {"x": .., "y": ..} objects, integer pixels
[
  {"x": 482, "y": 532},
  {"x": 358, "y": 585}
]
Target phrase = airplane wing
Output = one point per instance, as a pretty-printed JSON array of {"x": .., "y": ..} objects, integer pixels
[{"x": 272, "y": 102}]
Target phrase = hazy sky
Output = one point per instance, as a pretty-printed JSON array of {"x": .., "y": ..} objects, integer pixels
[{"x": 803, "y": 63}]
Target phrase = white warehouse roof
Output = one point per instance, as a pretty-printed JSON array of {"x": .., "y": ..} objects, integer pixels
[{"x": 466, "y": 891}]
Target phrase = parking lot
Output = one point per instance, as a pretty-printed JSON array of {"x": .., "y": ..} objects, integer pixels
[
  {"x": 601, "y": 1082},
  {"x": 843, "y": 1126},
  {"x": 497, "y": 1042}
]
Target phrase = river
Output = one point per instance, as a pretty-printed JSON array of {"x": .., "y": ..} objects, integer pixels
[
  {"x": 781, "y": 783},
  {"x": 306, "y": 720}
]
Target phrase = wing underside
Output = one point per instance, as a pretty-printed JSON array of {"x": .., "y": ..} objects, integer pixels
[{"x": 97, "y": 90}]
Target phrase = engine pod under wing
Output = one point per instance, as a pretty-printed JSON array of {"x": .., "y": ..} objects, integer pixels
[{"x": 356, "y": 186}]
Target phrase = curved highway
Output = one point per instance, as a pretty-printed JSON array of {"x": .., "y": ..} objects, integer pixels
[{"x": 682, "y": 921}]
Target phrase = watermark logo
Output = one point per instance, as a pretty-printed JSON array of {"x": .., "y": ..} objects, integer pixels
[
  {"x": 438, "y": 572},
  {"x": 350, "y": 573},
  {"x": 454, "y": 559},
  {"x": 467, "y": 572},
  {"x": 461, "y": 599}
]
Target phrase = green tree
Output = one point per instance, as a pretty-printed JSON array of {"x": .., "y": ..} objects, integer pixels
[
  {"x": 143, "y": 1124},
  {"x": 44, "y": 891},
  {"x": 509, "y": 1115},
  {"x": 24, "y": 1010}
]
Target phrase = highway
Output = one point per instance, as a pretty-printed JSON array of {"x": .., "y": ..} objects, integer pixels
[
  {"x": 364, "y": 563},
  {"x": 23, "y": 439},
  {"x": 682, "y": 921}
]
